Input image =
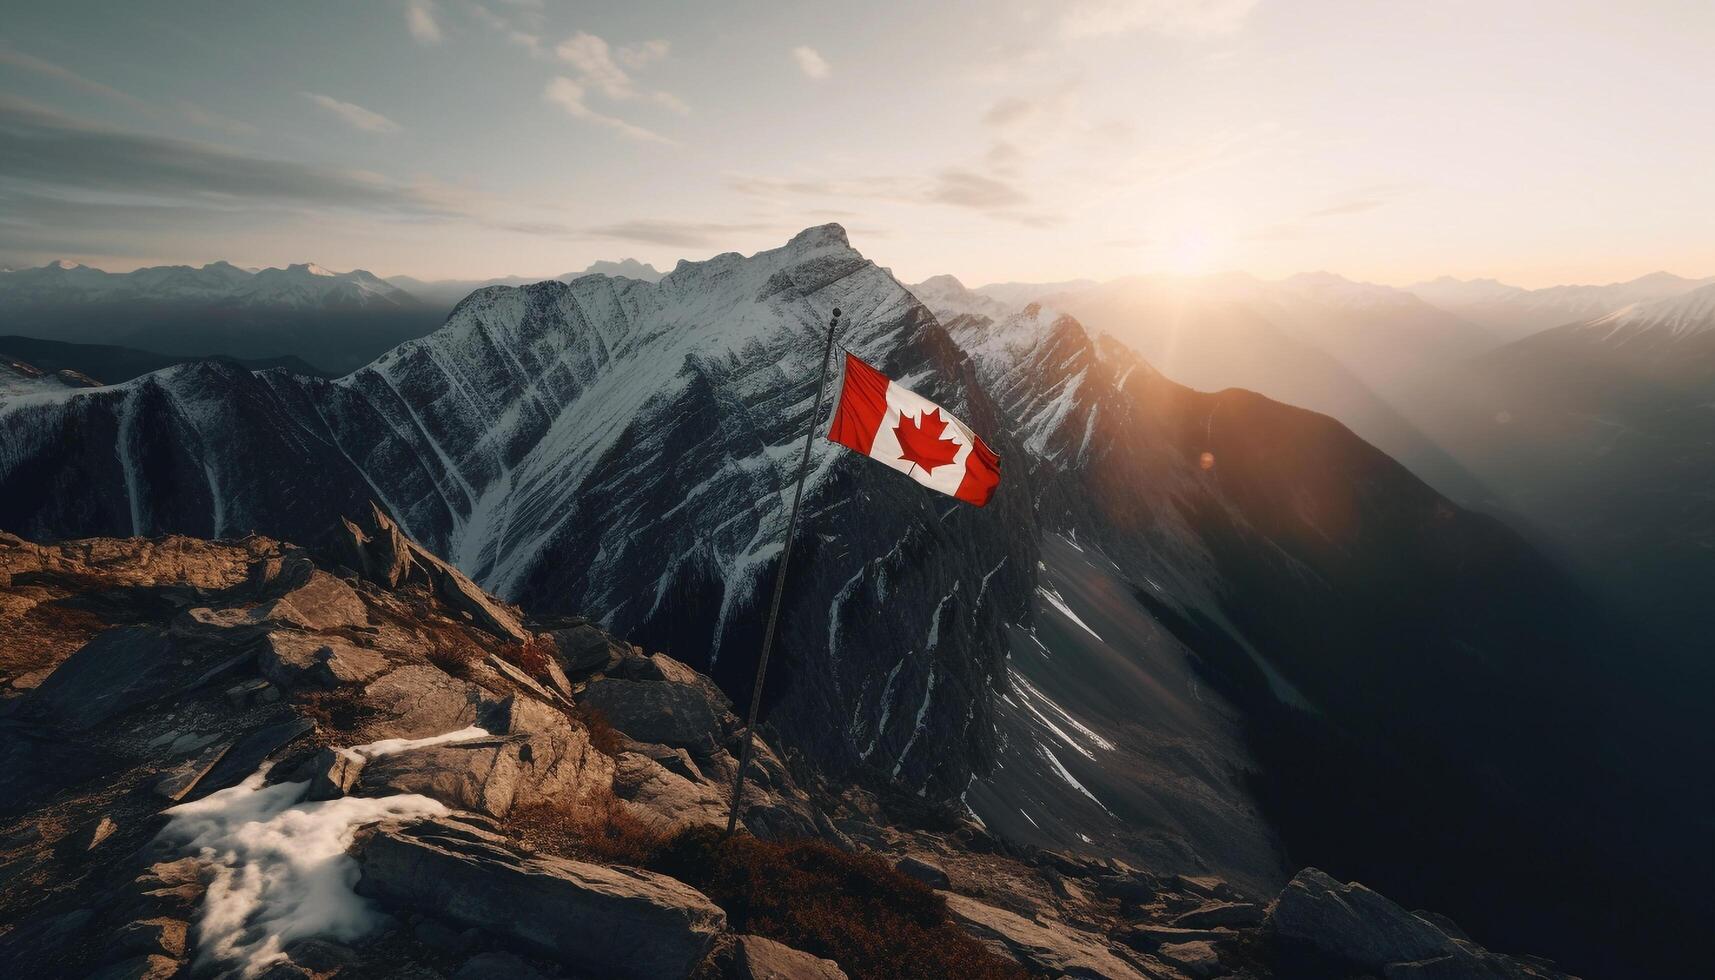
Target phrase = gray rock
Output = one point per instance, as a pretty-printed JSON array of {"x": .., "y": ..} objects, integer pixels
[
  {"x": 927, "y": 872},
  {"x": 1198, "y": 959},
  {"x": 418, "y": 701},
  {"x": 178, "y": 782},
  {"x": 585, "y": 648},
  {"x": 758, "y": 958},
  {"x": 538, "y": 756},
  {"x": 323, "y": 602},
  {"x": 1148, "y": 937},
  {"x": 248, "y": 753},
  {"x": 613, "y": 922},
  {"x": 245, "y": 693},
  {"x": 103, "y": 830},
  {"x": 333, "y": 773},
  {"x": 1055, "y": 950},
  {"x": 1352, "y": 923},
  {"x": 517, "y": 676},
  {"x": 380, "y": 551},
  {"x": 120, "y": 669},
  {"x": 1232, "y": 915},
  {"x": 665, "y": 712},
  {"x": 161, "y": 936},
  {"x": 294, "y": 660}
]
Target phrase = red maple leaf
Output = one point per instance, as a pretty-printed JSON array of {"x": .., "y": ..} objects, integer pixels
[{"x": 920, "y": 440}]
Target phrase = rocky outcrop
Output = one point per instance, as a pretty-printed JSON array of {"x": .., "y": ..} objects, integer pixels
[
  {"x": 757, "y": 958},
  {"x": 350, "y": 694},
  {"x": 1041, "y": 947},
  {"x": 616, "y": 922},
  {"x": 1352, "y": 925}
]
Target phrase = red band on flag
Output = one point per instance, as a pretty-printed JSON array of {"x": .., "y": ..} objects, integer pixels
[{"x": 863, "y": 403}]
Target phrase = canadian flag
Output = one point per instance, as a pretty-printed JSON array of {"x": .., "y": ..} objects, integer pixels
[{"x": 912, "y": 434}]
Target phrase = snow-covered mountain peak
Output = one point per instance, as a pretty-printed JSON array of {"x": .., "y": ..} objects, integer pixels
[{"x": 1673, "y": 318}]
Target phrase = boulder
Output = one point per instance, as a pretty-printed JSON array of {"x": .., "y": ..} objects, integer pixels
[
  {"x": 1040, "y": 948},
  {"x": 116, "y": 671},
  {"x": 380, "y": 552},
  {"x": 159, "y": 936},
  {"x": 605, "y": 921},
  {"x": 584, "y": 648},
  {"x": 928, "y": 872},
  {"x": 296, "y": 660},
  {"x": 417, "y": 701},
  {"x": 1214, "y": 915},
  {"x": 321, "y": 603},
  {"x": 536, "y": 756},
  {"x": 666, "y": 799},
  {"x": 333, "y": 773},
  {"x": 248, "y": 753},
  {"x": 758, "y": 958},
  {"x": 666, "y": 712},
  {"x": 1352, "y": 923},
  {"x": 1198, "y": 959}
]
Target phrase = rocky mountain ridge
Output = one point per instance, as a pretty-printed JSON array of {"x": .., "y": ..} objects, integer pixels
[{"x": 351, "y": 762}]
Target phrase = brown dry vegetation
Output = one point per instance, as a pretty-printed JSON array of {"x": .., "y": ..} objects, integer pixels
[
  {"x": 604, "y": 738},
  {"x": 850, "y": 908},
  {"x": 596, "y": 829}
]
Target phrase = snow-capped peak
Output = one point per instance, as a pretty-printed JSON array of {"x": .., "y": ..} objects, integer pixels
[{"x": 1675, "y": 317}]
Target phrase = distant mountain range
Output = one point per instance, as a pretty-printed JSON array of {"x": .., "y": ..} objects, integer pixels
[
  {"x": 447, "y": 292},
  {"x": 1514, "y": 312},
  {"x": 332, "y": 321}
]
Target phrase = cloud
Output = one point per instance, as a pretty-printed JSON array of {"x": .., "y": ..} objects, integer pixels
[
  {"x": 29, "y": 62},
  {"x": 420, "y": 20},
  {"x": 524, "y": 38},
  {"x": 681, "y": 234},
  {"x": 1170, "y": 18},
  {"x": 952, "y": 187},
  {"x": 571, "y": 96},
  {"x": 638, "y": 55},
  {"x": 597, "y": 69},
  {"x": 965, "y": 189},
  {"x": 190, "y": 110},
  {"x": 72, "y": 158},
  {"x": 353, "y": 115},
  {"x": 811, "y": 62}
]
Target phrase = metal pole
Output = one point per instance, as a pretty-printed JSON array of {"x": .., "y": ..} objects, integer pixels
[{"x": 780, "y": 583}]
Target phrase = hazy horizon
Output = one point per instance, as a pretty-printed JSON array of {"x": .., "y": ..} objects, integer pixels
[{"x": 1024, "y": 142}]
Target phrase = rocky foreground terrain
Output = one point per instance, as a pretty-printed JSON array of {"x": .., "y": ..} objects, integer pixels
[{"x": 244, "y": 758}]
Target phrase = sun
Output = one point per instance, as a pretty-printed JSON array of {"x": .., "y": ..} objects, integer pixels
[{"x": 1191, "y": 251}]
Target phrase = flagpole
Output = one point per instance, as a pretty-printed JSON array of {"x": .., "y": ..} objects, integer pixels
[{"x": 780, "y": 583}]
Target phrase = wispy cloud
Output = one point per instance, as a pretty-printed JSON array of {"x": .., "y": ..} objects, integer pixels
[
  {"x": 951, "y": 186},
  {"x": 596, "y": 67},
  {"x": 680, "y": 234},
  {"x": 353, "y": 115},
  {"x": 189, "y": 110},
  {"x": 1171, "y": 18},
  {"x": 522, "y": 35},
  {"x": 54, "y": 152},
  {"x": 28, "y": 62},
  {"x": 420, "y": 21},
  {"x": 811, "y": 62},
  {"x": 572, "y": 97}
]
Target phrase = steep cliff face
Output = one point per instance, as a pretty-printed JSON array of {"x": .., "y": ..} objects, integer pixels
[
  {"x": 652, "y": 426},
  {"x": 1405, "y": 669}
]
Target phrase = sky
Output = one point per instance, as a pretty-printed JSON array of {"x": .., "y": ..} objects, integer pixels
[{"x": 1537, "y": 143}]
